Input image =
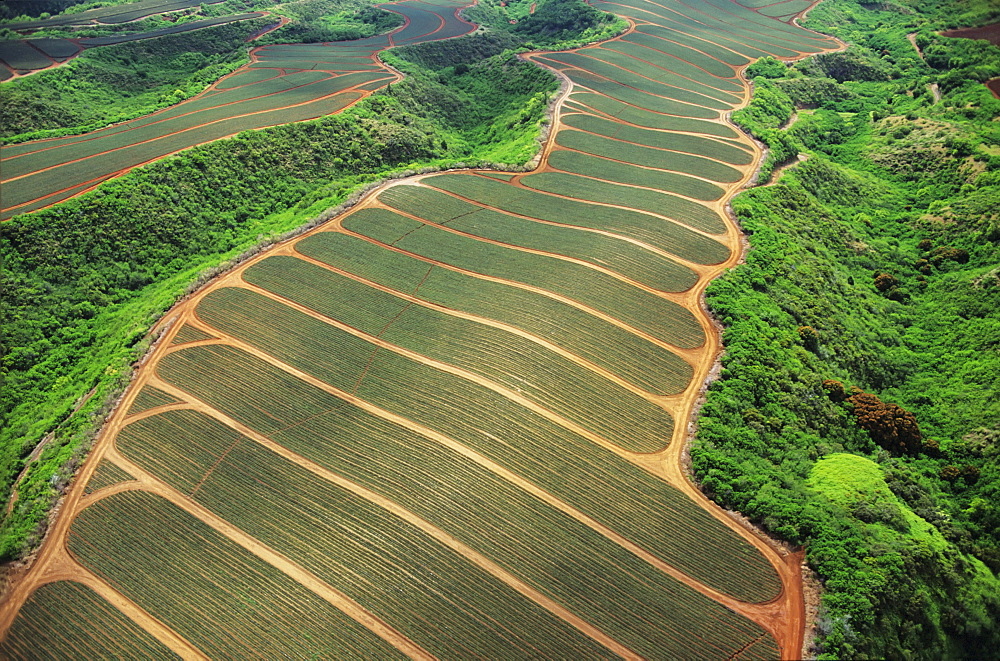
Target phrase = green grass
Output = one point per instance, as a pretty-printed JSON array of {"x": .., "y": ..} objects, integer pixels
[
  {"x": 67, "y": 620},
  {"x": 516, "y": 363},
  {"x": 599, "y": 168},
  {"x": 624, "y": 354},
  {"x": 676, "y": 208},
  {"x": 212, "y": 592}
]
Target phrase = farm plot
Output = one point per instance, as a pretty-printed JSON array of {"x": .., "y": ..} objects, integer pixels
[
  {"x": 682, "y": 61},
  {"x": 150, "y": 397},
  {"x": 628, "y": 356},
  {"x": 580, "y": 188},
  {"x": 66, "y": 620},
  {"x": 588, "y": 476},
  {"x": 670, "y": 237},
  {"x": 665, "y": 85},
  {"x": 631, "y": 115},
  {"x": 606, "y": 170},
  {"x": 56, "y": 48},
  {"x": 22, "y": 56},
  {"x": 447, "y": 605},
  {"x": 556, "y": 553},
  {"x": 634, "y": 154},
  {"x": 122, "y": 13},
  {"x": 698, "y": 82},
  {"x": 189, "y": 333},
  {"x": 635, "y": 96},
  {"x": 512, "y": 361},
  {"x": 217, "y": 595},
  {"x": 646, "y": 312},
  {"x": 102, "y": 157},
  {"x": 727, "y": 152},
  {"x": 608, "y": 252},
  {"x": 106, "y": 475}
]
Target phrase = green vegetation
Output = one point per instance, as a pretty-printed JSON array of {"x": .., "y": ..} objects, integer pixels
[
  {"x": 84, "y": 280},
  {"x": 548, "y": 24},
  {"x": 865, "y": 321}
]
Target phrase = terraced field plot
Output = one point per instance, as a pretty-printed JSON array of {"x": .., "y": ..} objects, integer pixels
[
  {"x": 451, "y": 420},
  {"x": 282, "y": 84}
]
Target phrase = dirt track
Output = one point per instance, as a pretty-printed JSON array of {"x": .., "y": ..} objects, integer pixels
[{"x": 782, "y": 617}]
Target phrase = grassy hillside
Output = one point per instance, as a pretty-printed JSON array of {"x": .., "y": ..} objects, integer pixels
[{"x": 865, "y": 321}]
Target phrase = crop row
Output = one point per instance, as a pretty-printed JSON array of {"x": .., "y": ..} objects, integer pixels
[
  {"x": 535, "y": 372},
  {"x": 67, "y": 620},
  {"x": 588, "y": 476},
  {"x": 224, "y": 600},
  {"x": 622, "y": 173},
  {"x": 445, "y": 604},
  {"x": 20, "y": 55},
  {"x": 676, "y": 208},
  {"x": 113, "y": 14},
  {"x": 148, "y": 398},
  {"x": 56, "y": 48},
  {"x": 673, "y": 238},
  {"x": 197, "y": 111},
  {"x": 439, "y": 23},
  {"x": 106, "y": 474},
  {"x": 663, "y": 69},
  {"x": 187, "y": 446},
  {"x": 609, "y": 252},
  {"x": 595, "y": 578},
  {"x": 662, "y": 85},
  {"x": 636, "y": 307},
  {"x": 634, "y": 95},
  {"x": 647, "y": 157},
  {"x": 727, "y": 152},
  {"x": 188, "y": 333},
  {"x": 640, "y": 117},
  {"x": 624, "y": 354},
  {"x": 682, "y": 61}
]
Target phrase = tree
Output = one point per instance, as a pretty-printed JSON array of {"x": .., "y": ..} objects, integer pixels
[{"x": 890, "y": 425}]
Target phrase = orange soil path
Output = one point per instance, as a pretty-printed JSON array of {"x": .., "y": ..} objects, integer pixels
[{"x": 782, "y": 617}]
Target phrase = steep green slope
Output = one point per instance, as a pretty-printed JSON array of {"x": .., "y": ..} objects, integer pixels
[{"x": 867, "y": 321}]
